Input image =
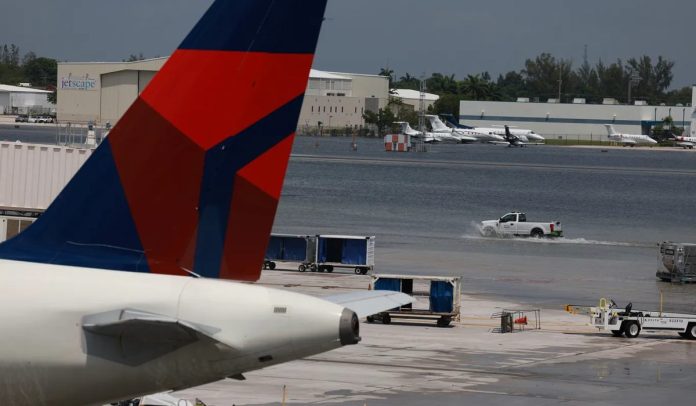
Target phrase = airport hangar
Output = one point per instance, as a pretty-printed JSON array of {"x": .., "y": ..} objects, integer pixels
[
  {"x": 24, "y": 100},
  {"x": 101, "y": 92},
  {"x": 573, "y": 120}
]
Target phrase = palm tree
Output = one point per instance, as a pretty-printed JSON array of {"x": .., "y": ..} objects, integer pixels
[
  {"x": 388, "y": 73},
  {"x": 476, "y": 87}
]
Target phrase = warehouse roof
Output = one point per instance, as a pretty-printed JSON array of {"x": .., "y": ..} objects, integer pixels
[
  {"x": 413, "y": 94},
  {"x": 319, "y": 74},
  {"x": 20, "y": 89}
]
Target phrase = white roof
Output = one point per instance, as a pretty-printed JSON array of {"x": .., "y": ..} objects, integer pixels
[
  {"x": 19, "y": 89},
  {"x": 413, "y": 94},
  {"x": 319, "y": 74}
]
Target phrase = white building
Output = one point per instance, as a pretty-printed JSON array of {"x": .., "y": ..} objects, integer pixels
[
  {"x": 24, "y": 100},
  {"x": 412, "y": 97},
  {"x": 573, "y": 119}
]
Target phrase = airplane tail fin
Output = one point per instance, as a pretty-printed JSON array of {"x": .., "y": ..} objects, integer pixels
[
  {"x": 610, "y": 129},
  {"x": 188, "y": 180},
  {"x": 450, "y": 119},
  {"x": 508, "y": 136},
  {"x": 437, "y": 124}
]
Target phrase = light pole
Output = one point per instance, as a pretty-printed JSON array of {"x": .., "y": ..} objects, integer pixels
[{"x": 634, "y": 80}]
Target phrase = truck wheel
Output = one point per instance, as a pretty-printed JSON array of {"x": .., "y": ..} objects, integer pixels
[
  {"x": 364, "y": 271},
  {"x": 617, "y": 333},
  {"x": 313, "y": 267},
  {"x": 691, "y": 331},
  {"x": 302, "y": 268},
  {"x": 329, "y": 269},
  {"x": 357, "y": 271},
  {"x": 444, "y": 321},
  {"x": 370, "y": 319},
  {"x": 536, "y": 233},
  {"x": 488, "y": 232},
  {"x": 386, "y": 318},
  {"x": 271, "y": 265},
  {"x": 631, "y": 329}
]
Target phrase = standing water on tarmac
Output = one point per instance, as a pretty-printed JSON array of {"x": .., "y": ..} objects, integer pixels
[{"x": 424, "y": 208}]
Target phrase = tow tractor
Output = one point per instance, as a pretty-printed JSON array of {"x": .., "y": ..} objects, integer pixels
[{"x": 609, "y": 317}]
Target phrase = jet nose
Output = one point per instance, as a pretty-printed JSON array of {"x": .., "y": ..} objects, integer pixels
[{"x": 349, "y": 328}]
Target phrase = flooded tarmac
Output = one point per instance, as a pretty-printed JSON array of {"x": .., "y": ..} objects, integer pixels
[{"x": 424, "y": 208}]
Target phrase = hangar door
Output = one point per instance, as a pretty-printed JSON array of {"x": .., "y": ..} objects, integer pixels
[{"x": 119, "y": 90}]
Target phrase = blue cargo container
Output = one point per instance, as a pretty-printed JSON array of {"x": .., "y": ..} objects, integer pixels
[
  {"x": 345, "y": 251},
  {"x": 441, "y": 293},
  {"x": 291, "y": 248}
]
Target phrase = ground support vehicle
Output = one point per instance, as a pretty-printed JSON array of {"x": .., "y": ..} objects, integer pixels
[
  {"x": 677, "y": 262},
  {"x": 345, "y": 251},
  {"x": 291, "y": 248},
  {"x": 515, "y": 224},
  {"x": 437, "y": 297},
  {"x": 608, "y": 317}
]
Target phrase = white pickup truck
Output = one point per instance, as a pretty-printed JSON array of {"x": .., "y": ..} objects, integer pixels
[{"x": 516, "y": 224}]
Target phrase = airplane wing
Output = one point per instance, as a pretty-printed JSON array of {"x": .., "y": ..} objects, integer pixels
[
  {"x": 368, "y": 302},
  {"x": 133, "y": 337}
]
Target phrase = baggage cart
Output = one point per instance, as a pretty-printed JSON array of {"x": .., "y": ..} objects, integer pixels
[
  {"x": 677, "y": 262},
  {"x": 437, "y": 297},
  {"x": 345, "y": 251},
  {"x": 292, "y": 249}
]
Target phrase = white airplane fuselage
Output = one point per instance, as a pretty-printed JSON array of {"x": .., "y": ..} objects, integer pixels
[
  {"x": 523, "y": 135},
  {"x": 686, "y": 142},
  {"x": 632, "y": 139},
  {"x": 47, "y": 357}
]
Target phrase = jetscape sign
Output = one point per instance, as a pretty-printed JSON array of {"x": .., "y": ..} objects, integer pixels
[{"x": 71, "y": 83}]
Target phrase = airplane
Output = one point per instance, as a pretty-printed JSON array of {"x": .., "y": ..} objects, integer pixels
[
  {"x": 481, "y": 136},
  {"x": 132, "y": 281},
  {"x": 428, "y": 137},
  {"x": 523, "y": 134},
  {"x": 449, "y": 134},
  {"x": 688, "y": 141},
  {"x": 514, "y": 140},
  {"x": 627, "y": 139},
  {"x": 685, "y": 142}
]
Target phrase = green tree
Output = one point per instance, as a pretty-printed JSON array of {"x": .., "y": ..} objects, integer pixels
[
  {"x": 388, "y": 73},
  {"x": 41, "y": 72},
  {"x": 383, "y": 119},
  {"x": 407, "y": 82},
  {"x": 448, "y": 104},
  {"x": 476, "y": 87}
]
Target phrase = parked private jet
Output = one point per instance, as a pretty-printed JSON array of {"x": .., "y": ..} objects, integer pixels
[
  {"x": 685, "y": 142},
  {"x": 513, "y": 140},
  {"x": 522, "y": 134},
  {"x": 115, "y": 291},
  {"x": 627, "y": 139},
  {"x": 481, "y": 136},
  {"x": 427, "y": 137},
  {"x": 450, "y": 134}
]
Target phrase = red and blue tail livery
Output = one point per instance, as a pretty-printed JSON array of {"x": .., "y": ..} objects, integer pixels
[{"x": 189, "y": 178}]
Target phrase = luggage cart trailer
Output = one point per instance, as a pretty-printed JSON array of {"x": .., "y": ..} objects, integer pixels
[
  {"x": 629, "y": 322},
  {"x": 437, "y": 297},
  {"x": 345, "y": 251},
  {"x": 677, "y": 262},
  {"x": 291, "y": 249}
]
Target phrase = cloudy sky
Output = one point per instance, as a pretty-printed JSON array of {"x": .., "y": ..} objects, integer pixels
[{"x": 416, "y": 36}]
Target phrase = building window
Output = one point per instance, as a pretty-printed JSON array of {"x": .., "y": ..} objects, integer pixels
[
  {"x": 312, "y": 109},
  {"x": 341, "y": 109},
  {"x": 324, "y": 109}
]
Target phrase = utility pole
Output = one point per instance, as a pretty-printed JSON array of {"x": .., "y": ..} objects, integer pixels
[{"x": 560, "y": 79}]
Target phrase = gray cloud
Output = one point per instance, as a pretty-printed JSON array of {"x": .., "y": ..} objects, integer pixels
[{"x": 415, "y": 36}]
